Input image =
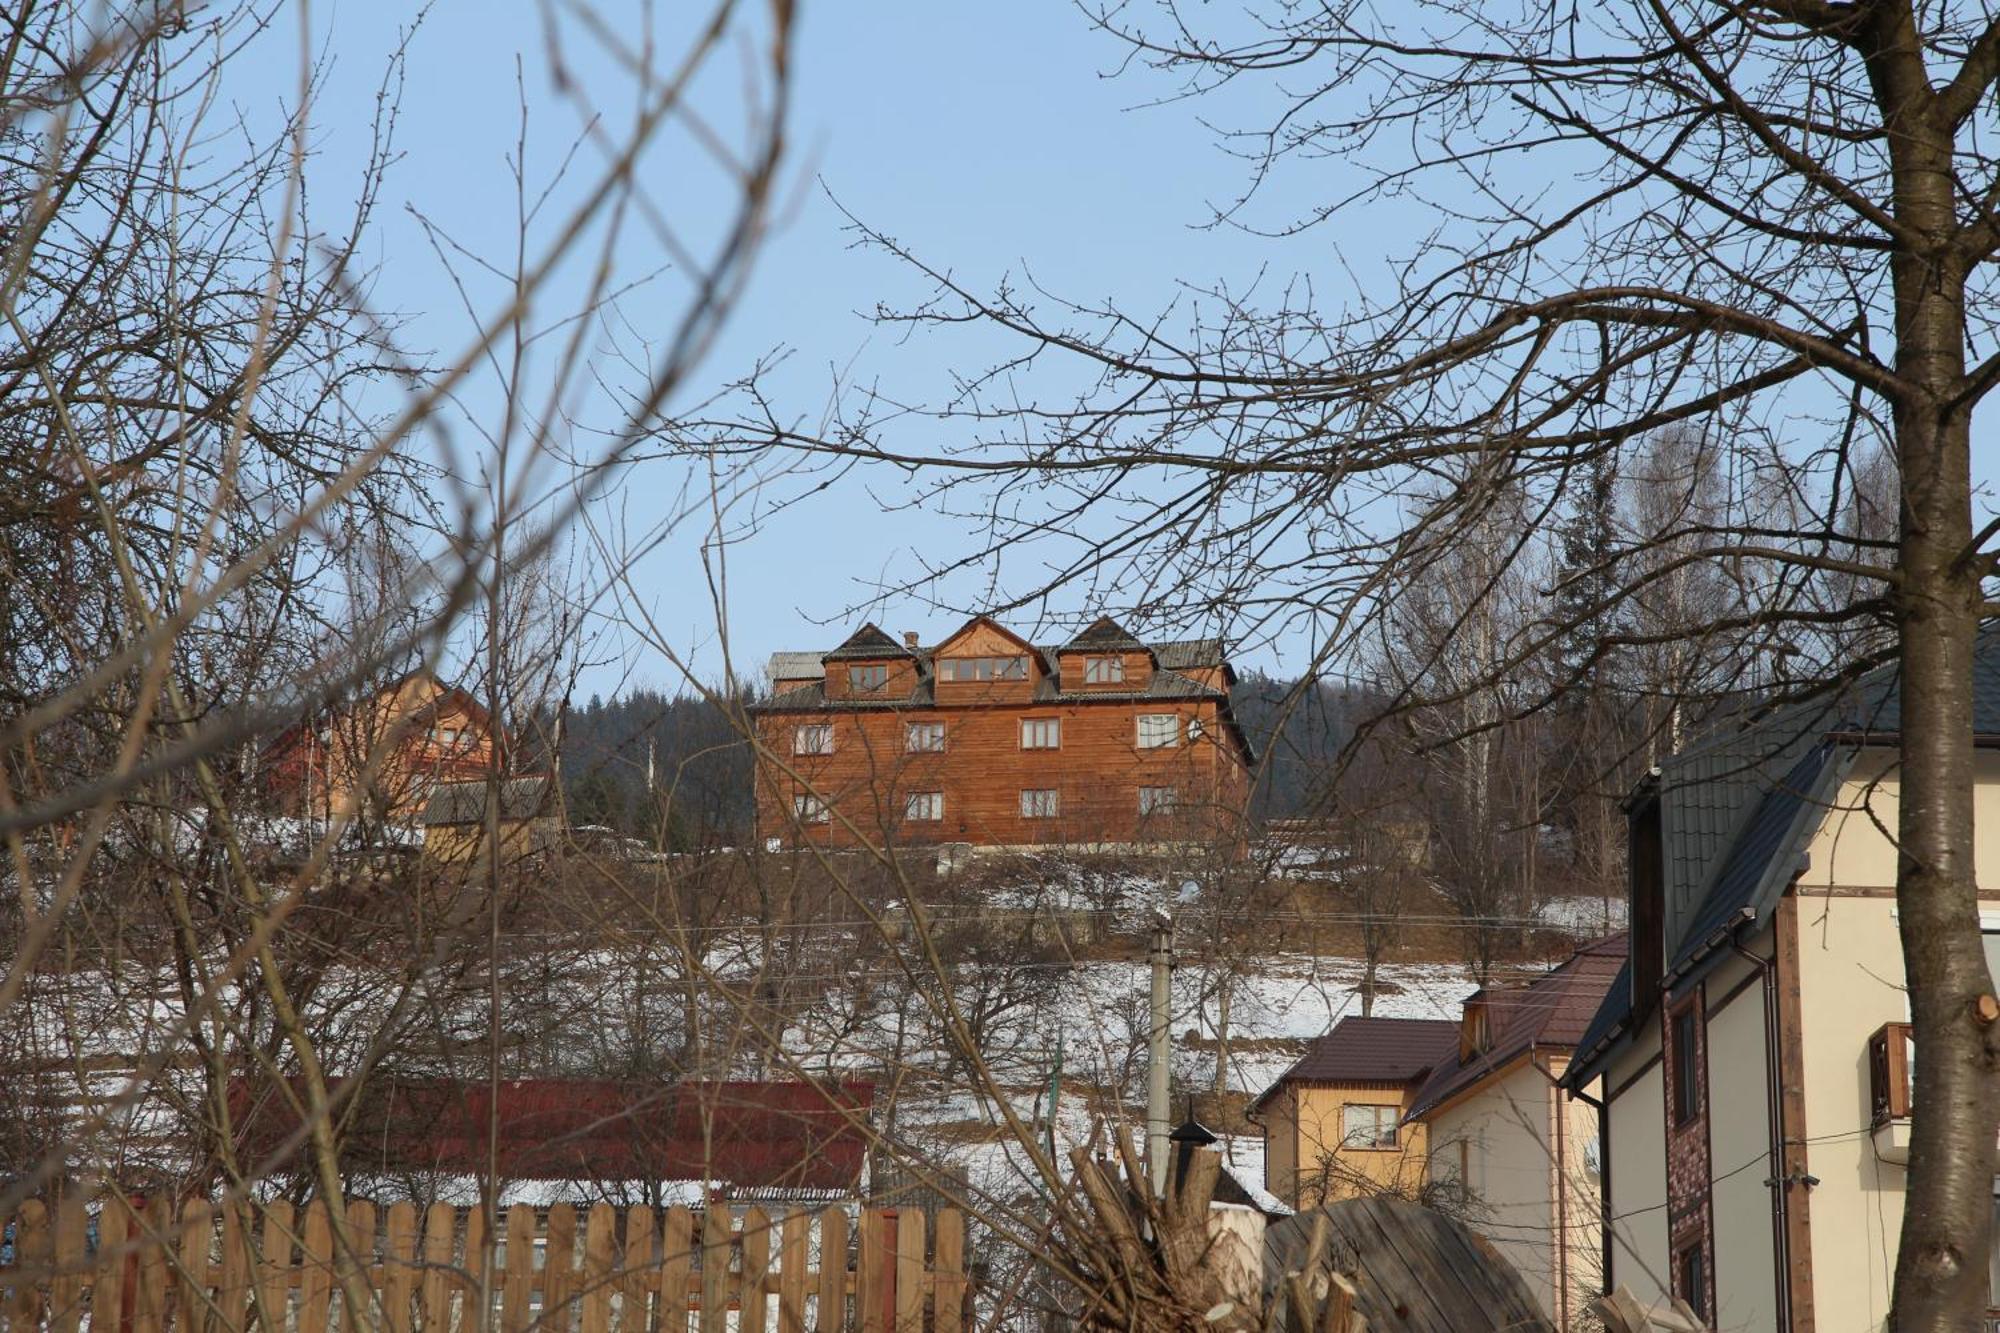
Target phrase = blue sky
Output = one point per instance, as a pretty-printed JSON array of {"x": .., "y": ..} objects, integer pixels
[{"x": 990, "y": 138}]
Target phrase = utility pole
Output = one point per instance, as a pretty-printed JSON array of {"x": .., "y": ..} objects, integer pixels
[{"x": 1161, "y": 955}]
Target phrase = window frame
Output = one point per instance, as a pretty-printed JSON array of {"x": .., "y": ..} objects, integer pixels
[
  {"x": 868, "y": 677},
  {"x": 982, "y": 670},
  {"x": 1687, "y": 1089},
  {"x": 1031, "y": 803},
  {"x": 1053, "y": 739},
  {"x": 910, "y": 731},
  {"x": 1691, "y": 1275},
  {"x": 1139, "y": 732},
  {"x": 810, "y": 809},
  {"x": 1157, "y": 806},
  {"x": 1392, "y": 1142},
  {"x": 799, "y": 731},
  {"x": 1104, "y": 670},
  {"x": 932, "y": 800}
]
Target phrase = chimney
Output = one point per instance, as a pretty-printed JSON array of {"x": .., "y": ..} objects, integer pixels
[{"x": 910, "y": 639}]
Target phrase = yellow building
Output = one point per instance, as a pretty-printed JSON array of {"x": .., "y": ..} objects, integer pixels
[{"x": 1334, "y": 1122}]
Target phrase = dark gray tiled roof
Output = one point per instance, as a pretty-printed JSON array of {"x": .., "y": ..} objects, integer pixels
[
  {"x": 1106, "y": 633},
  {"x": 868, "y": 642}
]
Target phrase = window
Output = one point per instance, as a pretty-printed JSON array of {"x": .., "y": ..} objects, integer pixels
[
  {"x": 1691, "y": 1274},
  {"x": 810, "y": 809},
  {"x": 1687, "y": 1098},
  {"x": 924, "y": 805},
  {"x": 1103, "y": 670},
  {"x": 815, "y": 738},
  {"x": 867, "y": 677},
  {"x": 1157, "y": 800},
  {"x": 924, "y": 737},
  {"x": 983, "y": 668},
  {"x": 1363, "y": 1126},
  {"x": 1041, "y": 733},
  {"x": 1159, "y": 730},
  {"x": 1040, "y": 803}
]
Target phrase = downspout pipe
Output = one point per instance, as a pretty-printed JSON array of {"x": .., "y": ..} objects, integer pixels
[{"x": 1779, "y": 1182}]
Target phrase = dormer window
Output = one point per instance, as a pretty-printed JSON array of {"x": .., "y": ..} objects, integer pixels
[
  {"x": 1475, "y": 1035},
  {"x": 983, "y": 668},
  {"x": 863, "y": 679},
  {"x": 1103, "y": 670}
]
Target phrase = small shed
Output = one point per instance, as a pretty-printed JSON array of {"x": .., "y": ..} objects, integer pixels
[{"x": 454, "y": 818}]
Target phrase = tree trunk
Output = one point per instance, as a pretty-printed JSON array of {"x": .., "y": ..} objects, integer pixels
[{"x": 1941, "y": 1265}]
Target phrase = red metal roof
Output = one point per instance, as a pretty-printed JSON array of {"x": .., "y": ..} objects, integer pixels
[{"x": 751, "y": 1135}]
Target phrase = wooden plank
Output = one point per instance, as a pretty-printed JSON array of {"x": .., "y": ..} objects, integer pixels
[
  {"x": 399, "y": 1267},
  {"x": 910, "y": 1271},
  {"x": 356, "y": 1258},
  {"x": 831, "y": 1312},
  {"x": 440, "y": 1242},
  {"x": 559, "y": 1270},
  {"x": 948, "y": 1286},
  {"x": 273, "y": 1278},
  {"x": 518, "y": 1285},
  {"x": 872, "y": 1273},
  {"x": 476, "y": 1308},
  {"x": 193, "y": 1278},
  {"x": 110, "y": 1280},
  {"x": 716, "y": 1234},
  {"x": 72, "y": 1253},
  {"x": 34, "y": 1257},
  {"x": 600, "y": 1240},
  {"x": 640, "y": 1273},
  {"x": 792, "y": 1259},
  {"x": 316, "y": 1275},
  {"x": 755, "y": 1301},
  {"x": 232, "y": 1284},
  {"x": 675, "y": 1263},
  {"x": 156, "y": 1235}
]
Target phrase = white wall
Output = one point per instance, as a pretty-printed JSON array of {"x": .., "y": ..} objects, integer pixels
[
  {"x": 1512, "y": 1123},
  {"x": 1739, "y": 1140},
  {"x": 1638, "y": 1159}
]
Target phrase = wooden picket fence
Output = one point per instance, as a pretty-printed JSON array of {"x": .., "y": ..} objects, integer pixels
[{"x": 158, "y": 1268}]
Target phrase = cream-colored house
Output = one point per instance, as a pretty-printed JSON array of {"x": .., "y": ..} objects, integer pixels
[
  {"x": 1509, "y": 1151},
  {"x": 1752, "y": 1059},
  {"x": 1334, "y": 1122}
]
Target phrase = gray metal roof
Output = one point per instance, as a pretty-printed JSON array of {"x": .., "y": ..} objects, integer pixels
[
  {"x": 465, "y": 802},
  {"x": 794, "y": 666}
]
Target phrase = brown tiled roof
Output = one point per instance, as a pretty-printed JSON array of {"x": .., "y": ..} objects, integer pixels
[
  {"x": 1371, "y": 1050},
  {"x": 1550, "y": 1013}
]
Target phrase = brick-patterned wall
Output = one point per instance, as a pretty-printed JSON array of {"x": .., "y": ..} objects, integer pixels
[{"x": 1689, "y": 1217}]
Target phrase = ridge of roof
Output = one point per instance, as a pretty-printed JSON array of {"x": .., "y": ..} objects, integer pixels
[
  {"x": 868, "y": 641},
  {"x": 1361, "y": 1049},
  {"x": 1104, "y": 632}
]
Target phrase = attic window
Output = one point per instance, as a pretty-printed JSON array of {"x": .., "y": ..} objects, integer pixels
[
  {"x": 1475, "y": 1034},
  {"x": 872, "y": 677},
  {"x": 983, "y": 668},
  {"x": 1103, "y": 670}
]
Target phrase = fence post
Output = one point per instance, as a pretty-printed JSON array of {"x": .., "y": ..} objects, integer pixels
[
  {"x": 832, "y": 1313},
  {"x": 754, "y": 1300},
  {"x": 517, "y": 1289},
  {"x": 440, "y": 1242},
  {"x": 600, "y": 1235},
  {"x": 399, "y": 1267},
  {"x": 792, "y": 1274},
  {"x": 154, "y": 1234},
  {"x": 232, "y": 1292},
  {"x": 910, "y": 1271},
  {"x": 197, "y": 1233},
  {"x": 948, "y": 1281},
  {"x": 558, "y": 1268},
  {"x": 676, "y": 1259},
  {"x": 715, "y": 1246},
  {"x": 71, "y": 1275}
]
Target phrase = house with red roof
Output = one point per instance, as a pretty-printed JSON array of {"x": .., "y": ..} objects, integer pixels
[
  {"x": 1507, "y": 1146},
  {"x": 1335, "y": 1122}
]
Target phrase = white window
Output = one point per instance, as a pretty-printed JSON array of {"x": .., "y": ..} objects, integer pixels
[
  {"x": 1041, "y": 733},
  {"x": 1157, "y": 800},
  {"x": 1040, "y": 803},
  {"x": 810, "y": 809},
  {"x": 1103, "y": 670},
  {"x": 815, "y": 738},
  {"x": 1157, "y": 731},
  {"x": 1365, "y": 1126},
  {"x": 924, "y": 805},
  {"x": 924, "y": 737}
]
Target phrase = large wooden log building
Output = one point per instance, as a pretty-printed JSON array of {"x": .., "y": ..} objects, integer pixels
[{"x": 990, "y": 740}]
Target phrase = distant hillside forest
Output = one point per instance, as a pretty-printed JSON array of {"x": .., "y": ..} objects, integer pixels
[{"x": 702, "y": 771}]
